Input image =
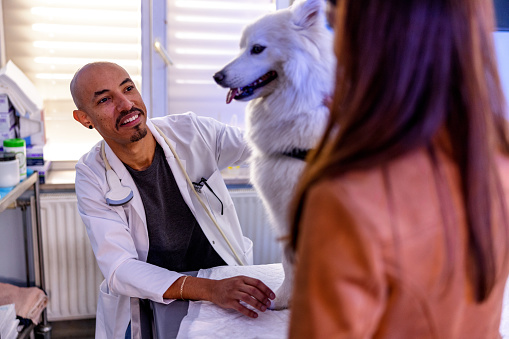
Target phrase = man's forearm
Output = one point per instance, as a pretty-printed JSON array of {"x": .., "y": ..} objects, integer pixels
[{"x": 191, "y": 289}]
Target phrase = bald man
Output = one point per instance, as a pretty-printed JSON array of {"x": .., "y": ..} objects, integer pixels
[{"x": 159, "y": 228}]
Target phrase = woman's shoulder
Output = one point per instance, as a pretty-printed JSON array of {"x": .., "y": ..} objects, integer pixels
[
  {"x": 360, "y": 194},
  {"x": 401, "y": 191},
  {"x": 375, "y": 182}
]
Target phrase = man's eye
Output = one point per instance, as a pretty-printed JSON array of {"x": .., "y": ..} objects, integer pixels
[
  {"x": 129, "y": 88},
  {"x": 257, "y": 49},
  {"x": 103, "y": 100}
]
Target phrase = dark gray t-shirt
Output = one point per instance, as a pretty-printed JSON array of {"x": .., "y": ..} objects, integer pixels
[{"x": 176, "y": 241}]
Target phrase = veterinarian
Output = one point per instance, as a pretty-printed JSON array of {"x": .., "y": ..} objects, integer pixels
[
  {"x": 400, "y": 222},
  {"x": 145, "y": 220}
]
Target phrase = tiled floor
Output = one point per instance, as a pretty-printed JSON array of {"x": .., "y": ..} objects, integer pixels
[{"x": 76, "y": 329}]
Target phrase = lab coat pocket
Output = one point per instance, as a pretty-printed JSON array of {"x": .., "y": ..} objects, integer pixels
[
  {"x": 248, "y": 254},
  {"x": 218, "y": 201},
  {"x": 216, "y": 195},
  {"x": 112, "y": 314}
]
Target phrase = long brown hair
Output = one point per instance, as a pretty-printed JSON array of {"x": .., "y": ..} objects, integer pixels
[{"x": 407, "y": 69}]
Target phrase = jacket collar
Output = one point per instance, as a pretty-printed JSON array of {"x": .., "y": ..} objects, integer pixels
[
  {"x": 160, "y": 140},
  {"x": 126, "y": 180}
]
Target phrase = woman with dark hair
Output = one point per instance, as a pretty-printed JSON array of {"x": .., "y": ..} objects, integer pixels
[{"x": 400, "y": 223}]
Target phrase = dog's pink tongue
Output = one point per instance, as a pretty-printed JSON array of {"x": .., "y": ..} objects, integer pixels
[{"x": 231, "y": 94}]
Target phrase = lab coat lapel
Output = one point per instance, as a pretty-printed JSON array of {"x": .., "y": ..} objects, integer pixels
[
  {"x": 127, "y": 180},
  {"x": 172, "y": 162}
]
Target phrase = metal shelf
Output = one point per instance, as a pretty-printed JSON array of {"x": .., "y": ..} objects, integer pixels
[
  {"x": 43, "y": 329},
  {"x": 17, "y": 191}
]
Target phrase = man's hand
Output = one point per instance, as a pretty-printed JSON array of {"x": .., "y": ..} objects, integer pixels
[{"x": 228, "y": 293}]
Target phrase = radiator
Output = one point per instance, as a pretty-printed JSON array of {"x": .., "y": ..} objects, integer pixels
[
  {"x": 72, "y": 276},
  {"x": 255, "y": 225}
]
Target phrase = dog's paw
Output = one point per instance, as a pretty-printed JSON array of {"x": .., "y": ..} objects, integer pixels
[
  {"x": 279, "y": 304},
  {"x": 282, "y": 300},
  {"x": 284, "y": 292}
]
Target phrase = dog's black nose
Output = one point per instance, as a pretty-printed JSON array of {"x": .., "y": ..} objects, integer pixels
[{"x": 219, "y": 77}]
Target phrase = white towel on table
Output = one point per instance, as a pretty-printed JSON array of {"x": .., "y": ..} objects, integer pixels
[{"x": 206, "y": 320}]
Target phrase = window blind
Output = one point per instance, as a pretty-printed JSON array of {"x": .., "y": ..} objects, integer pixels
[
  {"x": 50, "y": 39},
  {"x": 202, "y": 37}
]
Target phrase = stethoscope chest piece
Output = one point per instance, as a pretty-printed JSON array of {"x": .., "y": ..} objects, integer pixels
[{"x": 118, "y": 194}]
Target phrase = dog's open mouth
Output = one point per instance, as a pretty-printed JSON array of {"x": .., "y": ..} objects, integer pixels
[{"x": 243, "y": 92}]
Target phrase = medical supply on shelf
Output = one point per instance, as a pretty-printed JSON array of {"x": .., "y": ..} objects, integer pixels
[
  {"x": 11, "y": 133},
  {"x": 43, "y": 170},
  {"x": 35, "y": 155},
  {"x": 17, "y": 146},
  {"x": 9, "y": 170},
  {"x": 7, "y": 120}
]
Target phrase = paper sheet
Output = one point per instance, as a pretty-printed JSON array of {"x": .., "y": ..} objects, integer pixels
[{"x": 206, "y": 320}]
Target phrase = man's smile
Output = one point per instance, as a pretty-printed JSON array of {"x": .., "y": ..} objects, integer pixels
[{"x": 129, "y": 118}]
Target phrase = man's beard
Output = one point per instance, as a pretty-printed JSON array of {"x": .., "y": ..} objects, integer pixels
[{"x": 139, "y": 134}]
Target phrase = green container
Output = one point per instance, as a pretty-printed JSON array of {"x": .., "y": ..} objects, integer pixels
[{"x": 18, "y": 147}]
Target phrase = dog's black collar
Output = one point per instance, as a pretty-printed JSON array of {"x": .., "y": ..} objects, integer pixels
[{"x": 297, "y": 153}]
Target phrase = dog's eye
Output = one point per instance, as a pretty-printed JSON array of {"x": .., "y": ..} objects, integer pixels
[{"x": 257, "y": 49}]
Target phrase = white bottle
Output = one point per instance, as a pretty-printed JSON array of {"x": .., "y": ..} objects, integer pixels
[
  {"x": 9, "y": 170},
  {"x": 18, "y": 147}
]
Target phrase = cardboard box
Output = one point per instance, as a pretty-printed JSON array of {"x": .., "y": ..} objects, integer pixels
[
  {"x": 10, "y": 134},
  {"x": 7, "y": 120},
  {"x": 35, "y": 155},
  {"x": 43, "y": 171},
  {"x": 5, "y": 105},
  {"x": 32, "y": 130}
]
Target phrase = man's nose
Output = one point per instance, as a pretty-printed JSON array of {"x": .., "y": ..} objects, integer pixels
[{"x": 123, "y": 103}]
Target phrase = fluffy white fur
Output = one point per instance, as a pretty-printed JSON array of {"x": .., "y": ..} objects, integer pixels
[{"x": 288, "y": 112}]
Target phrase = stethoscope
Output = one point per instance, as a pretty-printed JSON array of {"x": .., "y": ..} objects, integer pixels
[{"x": 119, "y": 194}]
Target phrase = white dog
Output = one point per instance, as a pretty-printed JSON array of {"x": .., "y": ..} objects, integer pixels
[{"x": 286, "y": 68}]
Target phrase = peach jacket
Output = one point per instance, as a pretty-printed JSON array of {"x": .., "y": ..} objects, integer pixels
[{"x": 372, "y": 257}]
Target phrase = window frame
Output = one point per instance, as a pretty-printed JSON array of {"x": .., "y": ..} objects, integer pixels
[{"x": 153, "y": 68}]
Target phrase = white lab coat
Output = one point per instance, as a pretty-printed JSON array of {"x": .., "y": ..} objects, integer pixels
[{"x": 118, "y": 234}]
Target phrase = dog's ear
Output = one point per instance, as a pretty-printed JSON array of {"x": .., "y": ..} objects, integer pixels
[{"x": 308, "y": 13}]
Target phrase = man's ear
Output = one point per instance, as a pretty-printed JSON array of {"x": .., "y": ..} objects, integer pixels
[{"x": 82, "y": 118}]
